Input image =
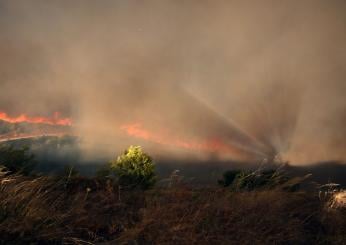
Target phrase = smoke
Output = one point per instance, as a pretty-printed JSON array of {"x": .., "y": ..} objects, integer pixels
[{"x": 263, "y": 77}]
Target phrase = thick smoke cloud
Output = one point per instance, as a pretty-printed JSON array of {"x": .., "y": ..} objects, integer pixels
[{"x": 266, "y": 77}]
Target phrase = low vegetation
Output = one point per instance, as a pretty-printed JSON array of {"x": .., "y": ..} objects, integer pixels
[
  {"x": 82, "y": 211},
  {"x": 122, "y": 206},
  {"x": 134, "y": 169},
  {"x": 265, "y": 179}
]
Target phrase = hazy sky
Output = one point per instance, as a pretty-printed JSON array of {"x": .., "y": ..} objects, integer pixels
[{"x": 263, "y": 76}]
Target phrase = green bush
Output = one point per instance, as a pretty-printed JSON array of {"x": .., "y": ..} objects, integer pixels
[{"x": 134, "y": 169}]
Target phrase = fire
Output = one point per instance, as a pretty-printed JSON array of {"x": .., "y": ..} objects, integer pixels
[
  {"x": 55, "y": 120},
  {"x": 210, "y": 145}
]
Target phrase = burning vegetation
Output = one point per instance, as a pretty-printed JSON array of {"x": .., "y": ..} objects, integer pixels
[
  {"x": 211, "y": 145},
  {"x": 56, "y": 119},
  {"x": 239, "y": 105}
]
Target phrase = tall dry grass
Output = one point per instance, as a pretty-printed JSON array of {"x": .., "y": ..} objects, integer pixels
[
  {"x": 45, "y": 210},
  {"x": 220, "y": 217},
  {"x": 51, "y": 210}
]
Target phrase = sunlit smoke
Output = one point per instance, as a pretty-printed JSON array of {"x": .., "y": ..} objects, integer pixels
[{"x": 258, "y": 77}]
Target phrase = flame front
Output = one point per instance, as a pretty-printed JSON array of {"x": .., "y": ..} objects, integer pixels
[
  {"x": 55, "y": 120},
  {"x": 210, "y": 145}
]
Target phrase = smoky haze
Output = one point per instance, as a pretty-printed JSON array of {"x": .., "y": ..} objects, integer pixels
[{"x": 265, "y": 77}]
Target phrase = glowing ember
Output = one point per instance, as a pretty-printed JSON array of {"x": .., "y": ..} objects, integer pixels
[
  {"x": 55, "y": 120},
  {"x": 211, "y": 145}
]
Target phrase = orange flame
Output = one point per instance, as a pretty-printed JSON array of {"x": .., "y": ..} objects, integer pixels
[
  {"x": 55, "y": 120},
  {"x": 211, "y": 145}
]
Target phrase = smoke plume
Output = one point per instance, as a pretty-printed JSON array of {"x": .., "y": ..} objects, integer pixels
[{"x": 260, "y": 78}]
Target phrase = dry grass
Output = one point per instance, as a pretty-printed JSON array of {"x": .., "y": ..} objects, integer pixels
[
  {"x": 51, "y": 210},
  {"x": 221, "y": 217},
  {"x": 87, "y": 211}
]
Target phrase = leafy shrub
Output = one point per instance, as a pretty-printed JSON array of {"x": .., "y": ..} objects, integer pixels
[
  {"x": 134, "y": 169},
  {"x": 17, "y": 160}
]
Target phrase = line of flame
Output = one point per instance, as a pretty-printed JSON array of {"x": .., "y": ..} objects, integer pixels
[
  {"x": 55, "y": 120},
  {"x": 211, "y": 145}
]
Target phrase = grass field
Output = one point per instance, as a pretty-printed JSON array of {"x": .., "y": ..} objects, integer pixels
[{"x": 52, "y": 210}]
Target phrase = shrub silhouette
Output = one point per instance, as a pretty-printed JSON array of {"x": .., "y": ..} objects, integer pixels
[
  {"x": 228, "y": 177},
  {"x": 134, "y": 169},
  {"x": 251, "y": 180}
]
